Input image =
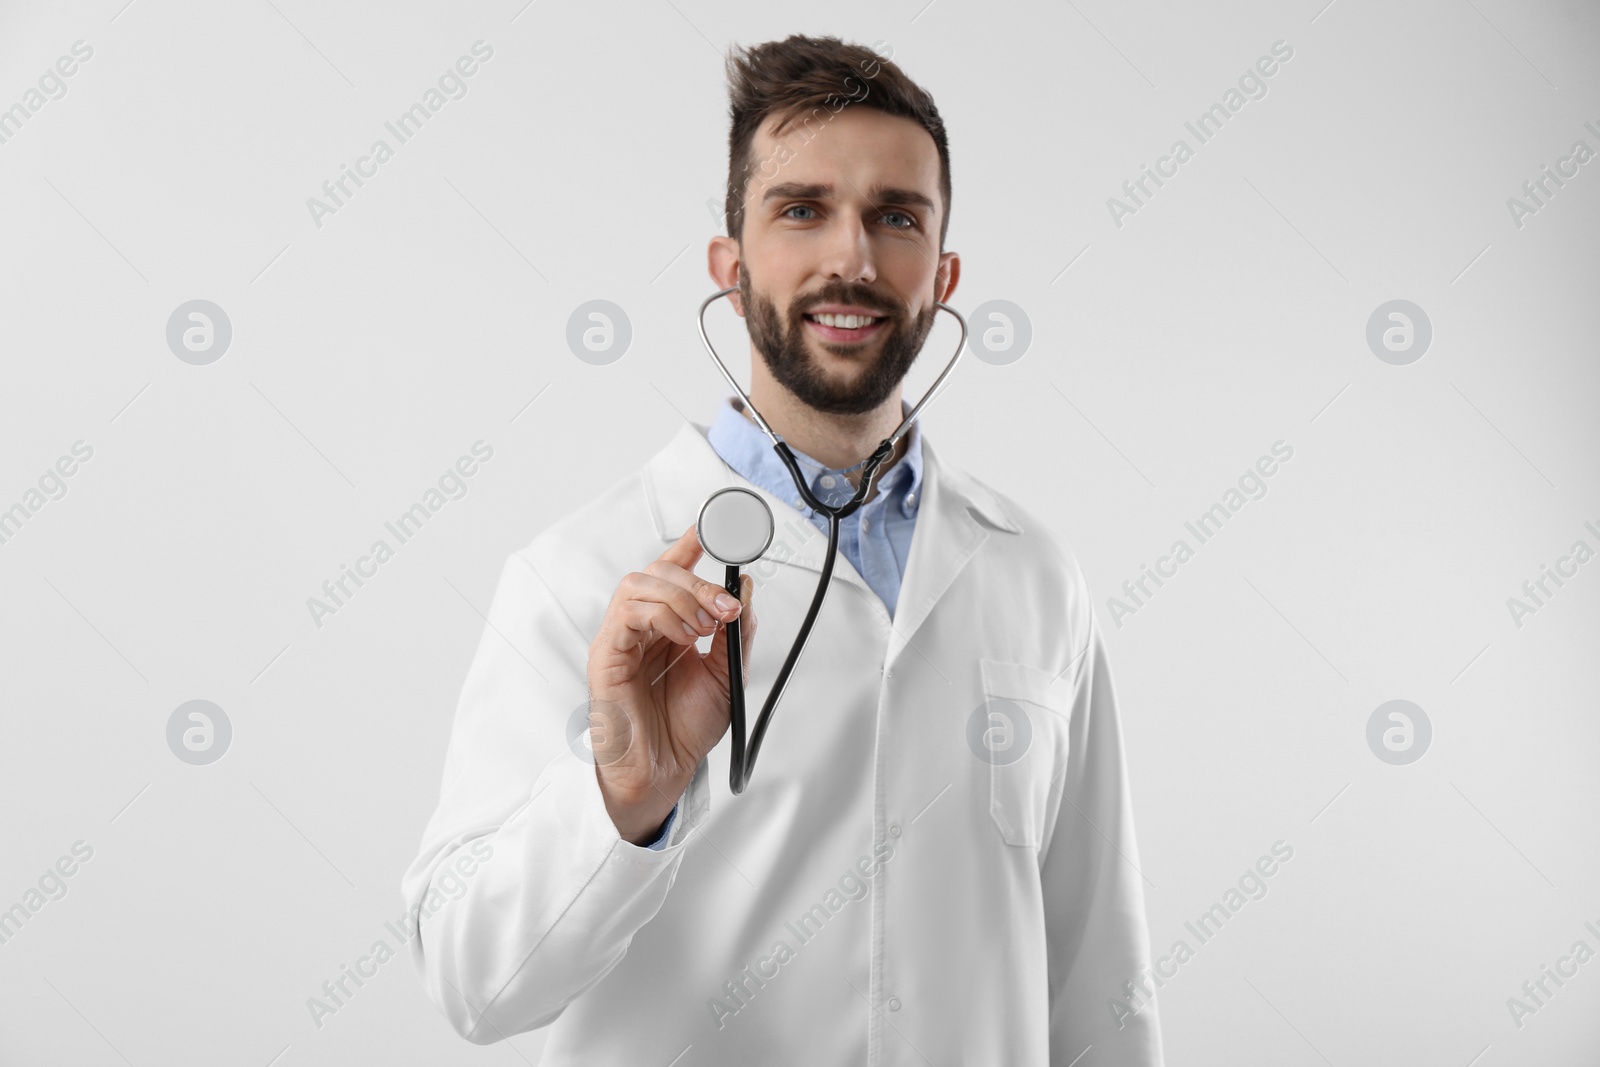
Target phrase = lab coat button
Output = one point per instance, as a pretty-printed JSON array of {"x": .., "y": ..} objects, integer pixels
[
  {"x": 894, "y": 829},
  {"x": 894, "y": 1003}
]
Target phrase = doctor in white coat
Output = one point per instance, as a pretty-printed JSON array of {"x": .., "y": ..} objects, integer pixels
[{"x": 934, "y": 861}]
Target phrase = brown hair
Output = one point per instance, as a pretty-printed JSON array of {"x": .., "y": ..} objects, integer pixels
[{"x": 797, "y": 79}]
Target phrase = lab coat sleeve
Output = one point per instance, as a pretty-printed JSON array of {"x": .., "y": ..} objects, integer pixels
[
  {"x": 523, "y": 895},
  {"x": 1093, "y": 888}
]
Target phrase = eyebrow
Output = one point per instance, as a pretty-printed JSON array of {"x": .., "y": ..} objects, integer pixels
[{"x": 879, "y": 194}]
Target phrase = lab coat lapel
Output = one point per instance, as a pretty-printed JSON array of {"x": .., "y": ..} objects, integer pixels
[{"x": 958, "y": 516}]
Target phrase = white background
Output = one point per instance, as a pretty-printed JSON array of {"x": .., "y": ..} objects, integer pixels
[{"x": 372, "y": 351}]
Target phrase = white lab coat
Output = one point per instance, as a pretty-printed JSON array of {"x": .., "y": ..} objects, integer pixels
[{"x": 879, "y": 894}]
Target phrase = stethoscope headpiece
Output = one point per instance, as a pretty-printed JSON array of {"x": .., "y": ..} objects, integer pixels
[{"x": 735, "y": 526}]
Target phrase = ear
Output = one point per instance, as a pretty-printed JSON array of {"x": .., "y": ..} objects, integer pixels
[
  {"x": 946, "y": 276},
  {"x": 722, "y": 260}
]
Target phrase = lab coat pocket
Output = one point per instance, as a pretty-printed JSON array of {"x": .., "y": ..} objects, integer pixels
[{"x": 1020, "y": 732}]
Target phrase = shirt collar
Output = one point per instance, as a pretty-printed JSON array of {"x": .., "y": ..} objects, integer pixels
[{"x": 743, "y": 446}]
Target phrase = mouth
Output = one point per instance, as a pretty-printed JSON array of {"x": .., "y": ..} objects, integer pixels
[{"x": 846, "y": 329}]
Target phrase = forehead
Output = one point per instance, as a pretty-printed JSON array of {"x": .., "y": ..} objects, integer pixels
[{"x": 852, "y": 150}]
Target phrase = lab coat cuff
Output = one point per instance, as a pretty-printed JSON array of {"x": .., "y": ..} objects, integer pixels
[{"x": 577, "y": 778}]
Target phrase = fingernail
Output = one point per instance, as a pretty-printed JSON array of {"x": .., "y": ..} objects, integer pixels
[
  {"x": 726, "y": 602},
  {"x": 700, "y": 613},
  {"x": 689, "y": 630}
]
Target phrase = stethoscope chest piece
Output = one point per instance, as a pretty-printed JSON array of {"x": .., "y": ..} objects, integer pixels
[{"x": 735, "y": 527}]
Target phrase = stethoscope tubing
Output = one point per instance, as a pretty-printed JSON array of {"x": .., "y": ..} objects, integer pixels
[
  {"x": 742, "y": 762},
  {"x": 743, "y": 752}
]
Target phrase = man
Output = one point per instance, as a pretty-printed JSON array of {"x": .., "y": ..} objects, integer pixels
[{"x": 934, "y": 862}]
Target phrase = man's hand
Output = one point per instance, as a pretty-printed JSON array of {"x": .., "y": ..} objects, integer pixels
[{"x": 656, "y": 704}]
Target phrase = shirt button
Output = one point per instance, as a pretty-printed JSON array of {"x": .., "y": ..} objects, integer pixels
[
  {"x": 827, "y": 481},
  {"x": 866, "y": 525},
  {"x": 894, "y": 1003},
  {"x": 894, "y": 829},
  {"x": 796, "y": 501},
  {"x": 911, "y": 500}
]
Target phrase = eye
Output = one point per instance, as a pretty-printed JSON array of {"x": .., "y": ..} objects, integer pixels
[
  {"x": 794, "y": 207},
  {"x": 911, "y": 223}
]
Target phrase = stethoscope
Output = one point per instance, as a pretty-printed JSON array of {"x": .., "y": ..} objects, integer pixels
[{"x": 735, "y": 527}]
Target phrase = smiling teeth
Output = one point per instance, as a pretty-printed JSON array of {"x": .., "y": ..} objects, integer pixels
[{"x": 844, "y": 322}]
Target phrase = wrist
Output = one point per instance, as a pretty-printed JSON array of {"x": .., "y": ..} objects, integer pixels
[
  {"x": 646, "y": 838},
  {"x": 639, "y": 820}
]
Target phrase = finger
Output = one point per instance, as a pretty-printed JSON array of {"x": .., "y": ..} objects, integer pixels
[
  {"x": 675, "y": 565},
  {"x": 700, "y": 612},
  {"x": 710, "y": 596},
  {"x": 685, "y": 551},
  {"x": 636, "y": 622}
]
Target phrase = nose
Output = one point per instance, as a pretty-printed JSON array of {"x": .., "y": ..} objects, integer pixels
[{"x": 848, "y": 254}]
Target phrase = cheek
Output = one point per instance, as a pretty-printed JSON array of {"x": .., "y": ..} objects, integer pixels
[{"x": 903, "y": 271}]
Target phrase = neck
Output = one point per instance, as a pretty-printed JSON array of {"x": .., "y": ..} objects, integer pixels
[{"x": 833, "y": 440}]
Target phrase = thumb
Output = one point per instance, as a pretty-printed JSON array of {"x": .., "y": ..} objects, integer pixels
[{"x": 685, "y": 551}]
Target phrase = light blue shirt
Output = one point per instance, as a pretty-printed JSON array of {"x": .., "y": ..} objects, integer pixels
[{"x": 875, "y": 538}]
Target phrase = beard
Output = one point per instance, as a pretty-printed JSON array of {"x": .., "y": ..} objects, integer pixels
[{"x": 788, "y": 357}]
